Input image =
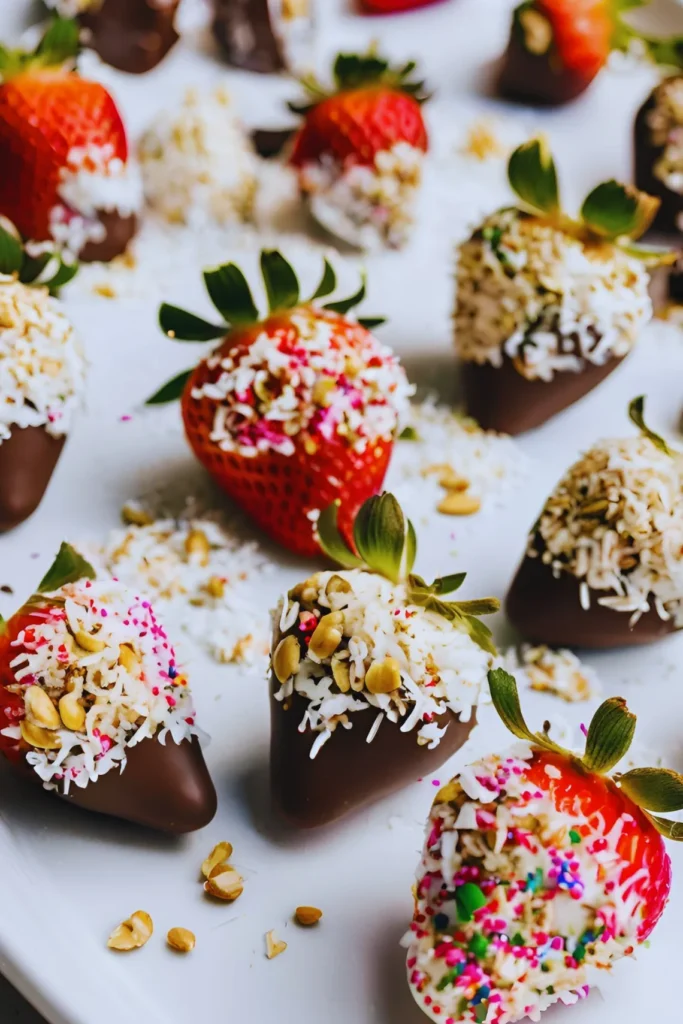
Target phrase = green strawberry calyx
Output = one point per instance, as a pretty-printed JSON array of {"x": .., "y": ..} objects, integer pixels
[
  {"x": 608, "y": 740},
  {"x": 38, "y": 263},
  {"x": 68, "y": 567},
  {"x": 385, "y": 542},
  {"x": 636, "y": 413},
  {"x": 352, "y": 71},
  {"x": 59, "y": 47},
  {"x": 231, "y": 295},
  {"x": 611, "y": 213}
]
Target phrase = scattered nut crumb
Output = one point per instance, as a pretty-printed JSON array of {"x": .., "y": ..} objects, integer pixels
[
  {"x": 133, "y": 933},
  {"x": 6, "y": 589},
  {"x": 457, "y": 503},
  {"x": 220, "y": 854},
  {"x": 482, "y": 142},
  {"x": 181, "y": 939},
  {"x": 133, "y": 515},
  {"x": 224, "y": 883},
  {"x": 307, "y": 916},
  {"x": 274, "y": 946},
  {"x": 105, "y": 290}
]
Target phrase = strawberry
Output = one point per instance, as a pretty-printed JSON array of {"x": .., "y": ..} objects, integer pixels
[
  {"x": 393, "y": 6},
  {"x": 63, "y": 151},
  {"x": 360, "y": 149},
  {"x": 88, "y": 683},
  {"x": 291, "y": 413},
  {"x": 539, "y": 866}
]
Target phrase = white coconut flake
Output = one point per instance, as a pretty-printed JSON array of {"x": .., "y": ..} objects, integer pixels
[{"x": 42, "y": 367}]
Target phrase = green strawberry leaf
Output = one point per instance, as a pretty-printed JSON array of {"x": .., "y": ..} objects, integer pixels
[
  {"x": 411, "y": 548},
  {"x": 11, "y": 248},
  {"x": 282, "y": 286},
  {"x": 3, "y": 626},
  {"x": 610, "y": 735},
  {"x": 353, "y": 70},
  {"x": 668, "y": 829},
  {"x": 468, "y": 898},
  {"x": 343, "y": 306},
  {"x": 650, "y": 256},
  {"x": 230, "y": 293},
  {"x": 68, "y": 567},
  {"x": 636, "y": 412},
  {"x": 613, "y": 211},
  {"x": 478, "y": 631},
  {"x": 328, "y": 282},
  {"x": 331, "y": 540},
  {"x": 379, "y": 534},
  {"x": 654, "y": 789},
  {"x": 171, "y": 391},
  {"x": 180, "y": 325},
  {"x": 449, "y": 584},
  {"x": 66, "y": 272},
  {"x": 481, "y": 606},
  {"x": 409, "y": 434},
  {"x": 60, "y": 43},
  {"x": 35, "y": 266},
  {"x": 370, "y": 322},
  {"x": 505, "y": 697},
  {"x": 533, "y": 176}
]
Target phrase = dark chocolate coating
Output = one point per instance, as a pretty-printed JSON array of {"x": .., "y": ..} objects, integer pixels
[
  {"x": 27, "y": 462},
  {"x": 540, "y": 79},
  {"x": 132, "y": 35},
  {"x": 347, "y": 772},
  {"x": 119, "y": 233},
  {"x": 547, "y": 610},
  {"x": 166, "y": 787},
  {"x": 247, "y": 35},
  {"x": 269, "y": 142},
  {"x": 646, "y": 155},
  {"x": 500, "y": 398}
]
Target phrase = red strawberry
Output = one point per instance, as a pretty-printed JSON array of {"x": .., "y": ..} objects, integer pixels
[
  {"x": 61, "y": 137},
  {"x": 393, "y": 6},
  {"x": 538, "y": 865},
  {"x": 372, "y": 120},
  {"x": 291, "y": 413}
]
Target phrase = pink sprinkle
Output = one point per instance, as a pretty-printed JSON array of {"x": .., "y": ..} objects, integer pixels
[
  {"x": 583, "y": 729},
  {"x": 125, "y": 419},
  {"x": 435, "y": 782}
]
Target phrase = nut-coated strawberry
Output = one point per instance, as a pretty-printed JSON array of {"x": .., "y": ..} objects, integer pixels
[{"x": 293, "y": 412}]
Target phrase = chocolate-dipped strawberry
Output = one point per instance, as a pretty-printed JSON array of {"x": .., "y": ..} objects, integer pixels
[
  {"x": 547, "y": 306},
  {"x": 293, "y": 411},
  {"x": 604, "y": 562},
  {"x": 132, "y": 35},
  {"x": 558, "y": 47},
  {"x": 360, "y": 151},
  {"x": 375, "y": 674},
  {"x": 659, "y": 152},
  {"x": 94, "y": 707},
  {"x": 265, "y": 35},
  {"x": 539, "y": 868},
  {"x": 198, "y": 165},
  {"x": 42, "y": 373},
  {"x": 66, "y": 173}
]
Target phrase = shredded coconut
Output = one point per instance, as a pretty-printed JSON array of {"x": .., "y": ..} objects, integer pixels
[
  {"x": 93, "y": 181},
  {"x": 207, "y": 590},
  {"x": 197, "y": 164},
  {"x": 615, "y": 521},
  {"x": 438, "y": 668},
  {"x": 367, "y": 206},
  {"x": 557, "y": 672},
  {"x": 131, "y": 688},
  {"x": 556, "y": 901},
  {"x": 317, "y": 374},
  {"x": 665, "y": 121},
  {"x": 42, "y": 368},
  {"x": 550, "y": 302}
]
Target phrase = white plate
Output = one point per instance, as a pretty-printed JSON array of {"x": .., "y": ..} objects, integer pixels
[{"x": 67, "y": 878}]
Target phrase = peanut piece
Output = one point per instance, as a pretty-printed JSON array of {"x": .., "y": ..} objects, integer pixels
[
  {"x": 197, "y": 546},
  {"x": 89, "y": 642},
  {"x": 39, "y": 708},
  {"x": 41, "y": 739},
  {"x": 274, "y": 946},
  {"x": 72, "y": 712},
  {"x": 307, "y": 916},
  {"x": 327, "y": 635},
  {"x": 133, "y": 933},
  {"x": 181, "y": 939},
  {"x": 457, "y": 503},
  {"x": 383, "y": 676},
  {"x": 286, "y": 659},
  {"x": 220, "y": 854},
  {"x": 224, "y": 883}
]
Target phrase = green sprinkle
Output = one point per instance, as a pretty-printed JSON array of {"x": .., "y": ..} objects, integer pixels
[
  {"x": 409, "y": 434},
  {"x": 574, "y": 836},
  {"x": 545, "y": 967},
  {"x": 468, "y": 898},
  {"x": 481, "y": 1012},
  {"x": 579, "y": 952},
  {"x": 450, "y": 978},
  {"x": 479, "y": 945},
  {"x": 550, "y": 990},
  {"x": 517, "y": 939}
]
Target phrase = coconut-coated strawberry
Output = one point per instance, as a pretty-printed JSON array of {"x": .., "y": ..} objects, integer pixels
[
  {"x": 12, "y": 704},
  {"x": 373, "y": 107},
  {"x": 53, "y": 125},
  {"x": 292, "y": 413}
]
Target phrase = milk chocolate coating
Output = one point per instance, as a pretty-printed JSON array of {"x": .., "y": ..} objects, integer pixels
[
  {"x": 646, "y": 156},
  {"x": 270, "y": 142},
  {"x": 347, "y": 772},
  {"x": 119, "y": 233},
  {"x": 132, "y": 35},
  {"x": 540, "y": 79},
  {"x": 27, "y": 462},
  {"x": 247, "y": 35},
  {"x": 547, "y": 610},
  {"x": 501, "y": 399}
]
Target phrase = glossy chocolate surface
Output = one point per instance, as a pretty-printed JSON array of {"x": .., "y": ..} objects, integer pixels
[
  {"x": 119, "y": 233},
  {"x": 132, "y": 35},
  {"x": 646, "y": 155},
  {"x": 248, "y": 36},
  {"x": 540, "y": 79},
  {"x": 547, "y": 610},
  {"x": 270, "y": 142},
  {"x": 347, "y": 772},
  {"x": 501, "y": 399},
  {"x": 27, "y": 462}
]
